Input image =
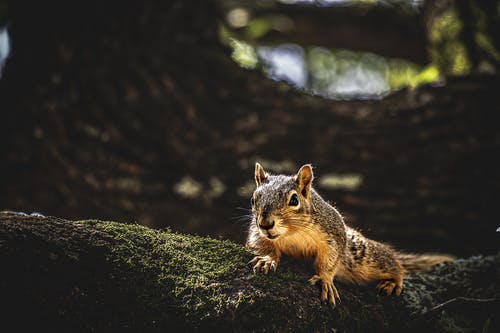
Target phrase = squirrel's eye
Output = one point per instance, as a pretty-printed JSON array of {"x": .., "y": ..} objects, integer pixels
[
  {"x": 294, "y": 200},
  {"x": 252, "y": 202}
]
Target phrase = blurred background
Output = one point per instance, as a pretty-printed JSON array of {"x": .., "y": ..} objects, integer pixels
[{"x": 155, "y": 112}]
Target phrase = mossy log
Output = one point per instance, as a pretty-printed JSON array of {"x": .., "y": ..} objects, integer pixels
[{"x": 98, "y": 276}]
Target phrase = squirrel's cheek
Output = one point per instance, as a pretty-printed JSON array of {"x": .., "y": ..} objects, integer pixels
[{"x": 280, "y": 227}]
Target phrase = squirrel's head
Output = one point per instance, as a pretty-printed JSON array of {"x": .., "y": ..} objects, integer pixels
[{"x": 281, "y": 203}]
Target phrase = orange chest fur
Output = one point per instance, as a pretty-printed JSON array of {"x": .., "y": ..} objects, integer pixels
[{"x": 303, "y": 242}]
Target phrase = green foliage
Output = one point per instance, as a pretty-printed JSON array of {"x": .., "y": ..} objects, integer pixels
[
  {"x": 406, "y": 74},
  {"x": 258, "y": 27},
  {"x": 327, "y": 67},
  {"x": 446, "y": 49},
  {"x": 483, "y": 40},
  {"x": 329, "y": 71},
  {"x": 243, "y": 53}
]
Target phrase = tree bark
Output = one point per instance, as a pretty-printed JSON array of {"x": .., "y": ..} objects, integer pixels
[
  {"x": 390, "y": 31},
  {"x": 107, "y": 108},
  {"x": 99, "y": 276}
]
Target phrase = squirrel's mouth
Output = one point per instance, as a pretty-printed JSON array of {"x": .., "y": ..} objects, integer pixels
[{"x": 272, "y": 236}]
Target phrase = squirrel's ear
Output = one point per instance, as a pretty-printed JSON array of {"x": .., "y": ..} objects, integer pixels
[
  {"x": 304, "y": 179},
  {"x": 260, "y": 174}
]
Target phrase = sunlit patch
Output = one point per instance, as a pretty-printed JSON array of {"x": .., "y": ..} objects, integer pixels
[
  {"x": 4, "y": 48},
  {"x": 243, "y": 53},
  {"x": 216, "y": 188},
  {"x": 446, "y": 47},
  {"x": 337, "y": 74},
  {"x": 284, "y": 62},
  {"x": 334, "y": 181},
  {"x": 188, "y": 188},
  {"x": 237, "y": 17}
]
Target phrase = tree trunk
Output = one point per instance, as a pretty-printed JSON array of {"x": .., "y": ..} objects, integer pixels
[
  {"x": 99, "y": 276},
  {"x": 108, "y": 110}
]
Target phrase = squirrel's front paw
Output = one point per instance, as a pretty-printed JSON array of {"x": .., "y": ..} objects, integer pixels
[
  {"x": 328, "y": 290},
  {"x": 264, "y": 263}
]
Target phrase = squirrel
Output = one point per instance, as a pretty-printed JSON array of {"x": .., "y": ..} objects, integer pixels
[{"x": 290, "y": 217}]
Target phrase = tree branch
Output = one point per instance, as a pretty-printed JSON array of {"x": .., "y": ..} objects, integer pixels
[
  {"x": 96, "y": 275},
  {"x": 399, "y": 33}
]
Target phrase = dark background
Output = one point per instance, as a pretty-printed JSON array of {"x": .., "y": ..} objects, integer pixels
[{"x": 137, "y": 112}]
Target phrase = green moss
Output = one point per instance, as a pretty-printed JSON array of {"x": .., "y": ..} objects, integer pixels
[
  {"x": 131, "y": 277},
  {"x": 195, "y": 274},
  {"x": 192, "y": 271}
]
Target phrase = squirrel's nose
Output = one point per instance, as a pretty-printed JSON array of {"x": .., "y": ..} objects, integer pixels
[{"x": 266, "y": 224}]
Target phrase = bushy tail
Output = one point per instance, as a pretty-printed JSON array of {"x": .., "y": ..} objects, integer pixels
[{"x": 419, "y": 262}]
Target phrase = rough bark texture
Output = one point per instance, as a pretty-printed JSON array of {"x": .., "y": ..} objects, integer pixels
[
  {"x": 106, "y": 107},
  {"x": 97, "y": 276}
]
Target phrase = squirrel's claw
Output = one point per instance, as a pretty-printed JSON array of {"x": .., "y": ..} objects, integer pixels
[
  {"x": 264, "y": 263},
  {"x": 328, "y": 291},
  {"x": 274, "y": 265},
  {"x": 389, "y": 287}
]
